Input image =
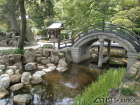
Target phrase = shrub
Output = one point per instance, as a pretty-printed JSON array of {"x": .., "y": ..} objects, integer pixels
[
  {"x": 19, "y": 51},
  {"x": 127, "y": 91},
  {"x": 130, "y": 77}
]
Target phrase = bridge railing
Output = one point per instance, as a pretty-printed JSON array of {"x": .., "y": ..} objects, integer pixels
[
  {"x": 120, "y": 31},
  {"x": 124, "y": 33}
]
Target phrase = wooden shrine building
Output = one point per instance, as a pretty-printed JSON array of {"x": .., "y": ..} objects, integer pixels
[{"x": 54, "y": 30}]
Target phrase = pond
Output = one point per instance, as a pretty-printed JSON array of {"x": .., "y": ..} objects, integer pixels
[{"x": 57, "y": 88}]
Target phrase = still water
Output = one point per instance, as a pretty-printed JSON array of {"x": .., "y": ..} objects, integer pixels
[{"x": 57, "y": 88}]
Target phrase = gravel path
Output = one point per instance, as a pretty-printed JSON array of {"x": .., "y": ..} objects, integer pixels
[{"x": 39, "y": 44}]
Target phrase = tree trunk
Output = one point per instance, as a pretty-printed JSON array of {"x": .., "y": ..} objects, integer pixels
[
  {"x": 14, "y": 24},
  {"x": 12, "y": 7},
  {"x": 23, "y": 25},
  {"x": 139, "y": 1}
]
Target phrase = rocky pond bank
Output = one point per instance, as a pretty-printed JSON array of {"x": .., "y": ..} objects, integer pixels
[
  {"x": 128, "y": 93},
  {"x": 15, "y": 69}
]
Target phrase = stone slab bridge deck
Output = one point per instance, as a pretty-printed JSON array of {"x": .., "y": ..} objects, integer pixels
[{"x": 81, "y": 41}]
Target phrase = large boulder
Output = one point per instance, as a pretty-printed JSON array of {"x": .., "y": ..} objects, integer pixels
[
  {"x": 2, "y": 67},
  {"x": 55, "y": 59},
  {"x": 61, "y": 54},
  {"x": 18, "y": 65},
  {"x": 14, "y": 42},
  {"x": 3, "y": 92},
  {"x": 5, "y": 59},
  {"x": 36, "y": 80},
  {"x": 11, "y": 59},
  {"x": 45, "y": 61},
  {"x": 25, "y": 77},
  {"x": 3, "y": 43},
  {"x": 38, "y": 55},
  {"x": 38, "y": 59},
  {"x": 40, "y": 67},
  {"x": 43, "y": 58},
  {"x": 16, "y": 87},
  {"x": 12, "y": 67},
  {"x": 10, "y": 71},
  {"x": 15, "y": 78},
  {"x": 1, "y": 62},
  {"x": 40, "y": 51},
  {"x": 46, "y": 53},
  {"x": 50, "y": 65},
  {"x": 62, "y": 63},
  {"x": 30, "y": 66},
  {"x": 22, "y": 99},
  {"x": 47, "y": 70},
  {"x": 39, "y": 73},
  {"x": 8, "y": 34},
  {"x": 5, "y": 80},
  {"x": 29, "y": 36},
  {"x": 68, "y": 54},
  {"x": 61, "y": 69},
  {"x": 30, "y": 55},
  {"x": 17, "y": 58}
]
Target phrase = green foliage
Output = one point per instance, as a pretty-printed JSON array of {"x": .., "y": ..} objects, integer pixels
[
  {"x": 4, "y": 70},
  {"x": 42, "y": 33},
  {"x": 130, "y": 77},
  {"x": 1, "y": 37},
  {"x": 2, "y": 1},
  {"x": 128, "y": 18},
  {"x": 127, "y": 4},
  {"x": 39, "y": 10},
  {"x": 19, "y": 51},
  {"x": 72, "y": 14},
  {"x": 77, "y": 15},
  {"x": 12, "y": 51},
  {"x": 8, "y": 51},
  {"x": 82, "y": 13},
  {"x": 127, "y": 91},
  {"x": 111, "y": 79}
]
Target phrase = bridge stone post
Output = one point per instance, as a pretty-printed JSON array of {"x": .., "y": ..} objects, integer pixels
[
  {"x": 108, "y": 48},
  {"x": 80, "y": 54},
  {"x": 132, "y": 58},
  {"x": 100, "y": 57}
]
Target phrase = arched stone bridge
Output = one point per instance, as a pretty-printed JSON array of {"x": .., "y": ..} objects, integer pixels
[{"x": 82, "y": 40}]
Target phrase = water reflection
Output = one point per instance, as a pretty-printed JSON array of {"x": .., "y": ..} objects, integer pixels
[
  {"x": 57, "y": 88},
  {"x": 61, "y": 88}
]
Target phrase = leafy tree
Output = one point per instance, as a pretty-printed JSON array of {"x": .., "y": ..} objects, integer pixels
[
  {"x": 82, "y": 13},
  {"x": 39, "y": 10},
  {"x": 128, "y": 18},
  {"x": 126, "y": 4}
]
